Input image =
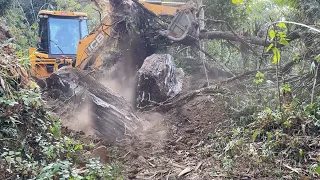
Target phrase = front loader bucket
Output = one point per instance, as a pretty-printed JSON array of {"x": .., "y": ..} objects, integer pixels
[{"x": 184, "y": 28}]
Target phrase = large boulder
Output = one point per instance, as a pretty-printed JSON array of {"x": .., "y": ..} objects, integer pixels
[{"x": 158, "y": 80}]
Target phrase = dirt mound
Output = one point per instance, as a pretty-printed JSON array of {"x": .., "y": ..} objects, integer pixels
[
  {"x": 176, "y": 141},
  {"x": 198, "y": 118}
]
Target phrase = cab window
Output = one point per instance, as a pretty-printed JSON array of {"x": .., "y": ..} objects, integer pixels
[
  {"x": 84, "y": 28},
  {"x": 43, "y": 36},
  {"x": 64, "y": 35}
]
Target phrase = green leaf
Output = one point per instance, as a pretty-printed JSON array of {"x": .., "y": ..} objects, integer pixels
[
  {"x": 276, "y": 55},
  {"x": 282, "y": 25},
  {"x": 312, "y": 67},
  {"x": 300, "y": 152},
  {"x": 4, "y": 154},
  {"x": 318, "y": 169},
  {"x": 259, "y": 75},
  {"x": 283, "y": 41},
  {"x": 268, "y": 110},
  {"x": 78, "y": 146},
  {"x": 237, "y": 1},
  {"x": 317, "y": 58},
  {"x": 255, "y": 134},
  {"x": 272, "y": 34},
  {"x": 269, "y": 47},
  {"x": 269, "y": 135},
  {"x": 8, "y": 158},
  {"x": 18, "y": 159},
  {"x": 281, "y": 34},
  {"x": 287, "y": 124},
  {"x": 285, "y": 88}
]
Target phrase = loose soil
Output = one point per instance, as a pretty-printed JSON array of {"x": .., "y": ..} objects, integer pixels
[{"x": 174, "y": 141}]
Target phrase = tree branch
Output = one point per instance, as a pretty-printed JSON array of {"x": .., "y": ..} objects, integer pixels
[{"x": 248, "y": 39}]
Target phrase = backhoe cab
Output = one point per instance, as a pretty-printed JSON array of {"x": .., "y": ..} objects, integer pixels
[
  {"x": 58, "y": 37},
  {"x": 64, "y": 40}
]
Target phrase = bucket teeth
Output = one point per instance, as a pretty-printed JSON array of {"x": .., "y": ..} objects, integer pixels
[{"x": 184, "y": 28}]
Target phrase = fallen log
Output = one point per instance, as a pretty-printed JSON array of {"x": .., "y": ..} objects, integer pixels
[
  {"x": 158, "y": 80},
  {"x": 112, "y": 117}
]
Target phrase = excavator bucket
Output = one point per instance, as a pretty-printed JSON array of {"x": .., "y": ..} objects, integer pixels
[{"x": 183, "y": 28}]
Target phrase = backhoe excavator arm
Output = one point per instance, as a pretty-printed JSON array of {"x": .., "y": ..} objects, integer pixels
[{"x": 183, "y": 24}]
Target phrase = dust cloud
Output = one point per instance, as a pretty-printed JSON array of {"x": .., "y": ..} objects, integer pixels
[
  {"x": 81, "y": 121},
  {"x": 124, "y": 89},
  {"x": 154, "y": 128},
  {"x": 116, "y": 79}
]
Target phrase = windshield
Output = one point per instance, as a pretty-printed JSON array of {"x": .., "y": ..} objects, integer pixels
[{"x": 64, "y": 35}]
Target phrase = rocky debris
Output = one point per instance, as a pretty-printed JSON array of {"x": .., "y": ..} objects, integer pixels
[
  {"x": 70, "y": 90},
  {"x": 158, "y": 80}
]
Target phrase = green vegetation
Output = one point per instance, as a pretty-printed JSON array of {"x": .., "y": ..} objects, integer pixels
[
  {"x": 275, "y": 131},
  {"x": 276, "y": 119},
  {"x": 33, "y": 143}
]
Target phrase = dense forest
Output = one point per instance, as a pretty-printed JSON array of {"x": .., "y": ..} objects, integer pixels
[{"x": 251, "y": 108}]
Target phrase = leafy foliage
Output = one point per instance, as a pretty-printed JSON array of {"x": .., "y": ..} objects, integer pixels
[
  {"x": 40, "y": 149},
  {"x": 33, "y": 143}
]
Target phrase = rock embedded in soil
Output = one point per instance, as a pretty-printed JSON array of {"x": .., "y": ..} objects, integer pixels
[{"x": 158, "y": 80}]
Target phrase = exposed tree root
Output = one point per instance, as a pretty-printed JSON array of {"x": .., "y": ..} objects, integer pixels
[{"x": 182, "y": 99}]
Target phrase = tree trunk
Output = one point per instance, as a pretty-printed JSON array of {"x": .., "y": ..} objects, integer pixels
[{"x": 111, "y": 116}]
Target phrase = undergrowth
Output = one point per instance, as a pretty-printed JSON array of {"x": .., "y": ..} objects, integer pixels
[
  {"x": 268, "y": 142},
  {"x": 32, "y": 142}
]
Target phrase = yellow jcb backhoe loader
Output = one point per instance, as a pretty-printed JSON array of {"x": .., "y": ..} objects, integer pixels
[{"x": 64, "y": 39}]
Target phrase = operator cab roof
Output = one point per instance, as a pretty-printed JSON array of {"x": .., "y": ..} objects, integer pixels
[{"x": 63, "y": 13}]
